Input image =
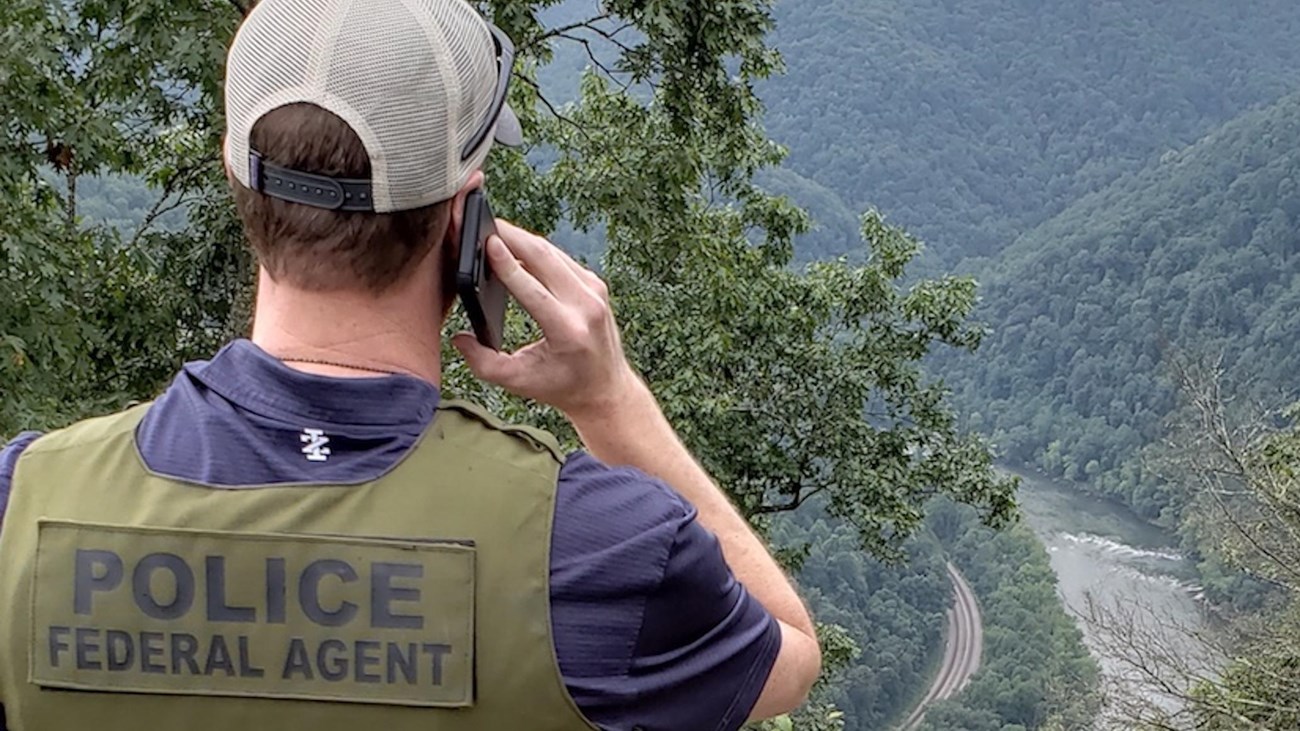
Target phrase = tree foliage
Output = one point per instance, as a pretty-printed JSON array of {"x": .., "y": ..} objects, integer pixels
[
  {"x": 1244, "y": 463},
  {"x": 768, "y": 370},
  {"x": 97, "y": 313},
  {"x": 891, "y": 612}
]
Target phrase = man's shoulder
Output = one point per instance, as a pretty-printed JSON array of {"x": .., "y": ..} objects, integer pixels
[
  {"x": 651, "y": 627},
  {"x": 34, "y": 444},
  {"x": 88, "y": 431},
  {"x": 599, "y": 507},
  {"x": 533, "y": 438},
  {"x": 586, "y": 478},
  {"x": 11, "y": 451},
  {"x": 615, "y": 530},
  {"x": 9, "y": 455}
]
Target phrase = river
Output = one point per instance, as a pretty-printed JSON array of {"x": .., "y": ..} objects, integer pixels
[{"x": 1106, "y": 557}]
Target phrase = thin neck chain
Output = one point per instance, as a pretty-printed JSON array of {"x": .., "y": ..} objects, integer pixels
[{"x": 347, "y": 366}]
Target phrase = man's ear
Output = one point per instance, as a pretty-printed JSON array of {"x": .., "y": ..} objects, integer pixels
[
  {"x": 458, "y": 205},
  {"x": 225, "y": 159}
]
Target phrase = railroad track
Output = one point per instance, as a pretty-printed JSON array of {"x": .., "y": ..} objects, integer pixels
[{"x": 961, "y": 653}]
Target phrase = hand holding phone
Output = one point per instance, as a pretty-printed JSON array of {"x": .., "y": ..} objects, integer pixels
[
  {"x": 578, "y": 365},
  {"x": 482, "y": 293}
]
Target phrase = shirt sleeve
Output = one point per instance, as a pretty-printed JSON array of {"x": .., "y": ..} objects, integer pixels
[
  {"x": 652, "y": 630},
  {"x": 706, "y": 645},
  {"x": 8, "y": 461}
]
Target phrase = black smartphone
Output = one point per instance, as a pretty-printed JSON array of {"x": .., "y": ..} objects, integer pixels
[{"x": 481, "y": 294}]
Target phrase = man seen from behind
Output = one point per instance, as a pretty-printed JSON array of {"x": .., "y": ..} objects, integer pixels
[{"x": 301, "y": 533}]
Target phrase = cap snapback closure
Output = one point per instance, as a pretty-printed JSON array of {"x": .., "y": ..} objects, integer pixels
[{"x": 335, "y": 194}]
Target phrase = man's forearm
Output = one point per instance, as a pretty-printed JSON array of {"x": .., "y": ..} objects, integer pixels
[
  {"x": 635, "y": 433},
  {"x": 579, "y": 368}
]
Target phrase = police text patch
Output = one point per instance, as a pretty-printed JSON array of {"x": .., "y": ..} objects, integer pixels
[{"x": 238, "y": 614}]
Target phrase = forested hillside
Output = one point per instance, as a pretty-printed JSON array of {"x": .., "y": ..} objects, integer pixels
[
  {"x": 1199, "y": 254},
  {"x": 971, "y": 121},
  {"x": 1121, "y": 174}
]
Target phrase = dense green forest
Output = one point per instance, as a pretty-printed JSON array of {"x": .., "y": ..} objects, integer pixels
[
  {"x": 893, "y": 612},
  {"x": 1072, "y": 157},
  {"x": 1196, "y": 254},
  {"x": 971, "y": 121},
  {"x": 122, "y": 203}
]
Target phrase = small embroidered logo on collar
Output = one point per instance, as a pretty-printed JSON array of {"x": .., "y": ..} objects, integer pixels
[{"x": 316, "y": 449}]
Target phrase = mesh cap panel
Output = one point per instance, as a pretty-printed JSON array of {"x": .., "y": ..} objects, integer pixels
[{"x": 413, "y": 78}]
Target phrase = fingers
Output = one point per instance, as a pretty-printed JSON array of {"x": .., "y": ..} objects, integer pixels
[
  {"x": 485, "y": 363},
  {"x": 590, "y": 278},
  {"x": 580, "y": 349},
  {"x": 539, "y": 301},
  {"x": 552, "y": 267}
]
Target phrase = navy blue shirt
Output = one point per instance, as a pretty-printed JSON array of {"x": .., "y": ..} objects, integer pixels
[{"x": 651, "y": 628}]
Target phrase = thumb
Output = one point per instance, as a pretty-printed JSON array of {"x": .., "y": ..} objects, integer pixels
[{"x": 485, "y": 363}]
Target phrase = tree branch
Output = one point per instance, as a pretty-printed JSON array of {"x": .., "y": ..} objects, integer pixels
[
  {"x": 799, "y": 498},
  {"x": 561, "y": 30},
  {"x": 608, "y": 72},
  {"x": 551, "y": 107},
  {"x": 611, "y": 36},
  {"x": 162, "y": 207}
]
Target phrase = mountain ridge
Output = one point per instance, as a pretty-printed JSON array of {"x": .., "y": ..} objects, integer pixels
[
  {"x": 973, "y": 122},
  {"x": 1197, "y": 253}
]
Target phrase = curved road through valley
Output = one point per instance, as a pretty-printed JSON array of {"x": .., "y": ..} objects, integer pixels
[{"x": 961, "y": 653}]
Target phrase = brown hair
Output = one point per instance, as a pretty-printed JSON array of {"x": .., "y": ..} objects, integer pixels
[{"x": 322, "y": 250}]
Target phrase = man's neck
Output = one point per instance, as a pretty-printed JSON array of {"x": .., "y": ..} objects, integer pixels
[{"x": 350, "y": 334}]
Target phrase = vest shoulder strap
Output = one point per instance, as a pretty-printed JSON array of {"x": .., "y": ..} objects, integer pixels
[
  {"x": 90, "y": 431},
  {"x": 537, "y": 439}
]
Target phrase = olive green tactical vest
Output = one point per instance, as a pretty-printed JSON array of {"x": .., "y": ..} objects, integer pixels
[{"x": 417, "y": 601}]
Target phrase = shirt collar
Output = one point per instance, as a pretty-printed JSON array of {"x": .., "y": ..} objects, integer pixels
[{"x": 251, "y": 378}]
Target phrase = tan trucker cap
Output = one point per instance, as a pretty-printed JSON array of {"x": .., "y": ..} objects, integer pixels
[{"x": 421, "y": 82}]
